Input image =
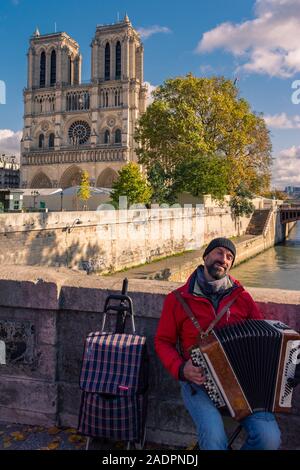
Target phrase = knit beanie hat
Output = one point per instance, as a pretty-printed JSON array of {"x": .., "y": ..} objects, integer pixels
[{"x": 224, "y": 243}]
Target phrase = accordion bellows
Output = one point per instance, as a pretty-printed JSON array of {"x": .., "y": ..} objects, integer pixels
[{"x": 248, "y": 365}]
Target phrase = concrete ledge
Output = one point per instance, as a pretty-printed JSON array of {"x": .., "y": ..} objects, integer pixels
[{"x": 48, "y": 320}]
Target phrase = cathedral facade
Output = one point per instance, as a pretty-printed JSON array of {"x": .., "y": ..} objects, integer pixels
[{"x": 70, "y": 126}]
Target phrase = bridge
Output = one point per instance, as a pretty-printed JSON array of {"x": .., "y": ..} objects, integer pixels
[{"x": 289, "y": 213}]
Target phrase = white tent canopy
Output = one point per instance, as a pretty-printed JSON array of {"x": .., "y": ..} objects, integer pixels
[{"x": 67, "y": 191}]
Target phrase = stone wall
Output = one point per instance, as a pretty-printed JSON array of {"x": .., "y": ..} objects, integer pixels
[
  {"x": 45, "y": 315},
  {"x": 107, "y": 241}
]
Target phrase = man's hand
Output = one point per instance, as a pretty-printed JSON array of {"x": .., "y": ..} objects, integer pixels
[{"x": 193, "y": 374}]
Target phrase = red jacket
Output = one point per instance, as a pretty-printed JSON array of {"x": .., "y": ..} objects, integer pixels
[{"x": 174, "y": 323}]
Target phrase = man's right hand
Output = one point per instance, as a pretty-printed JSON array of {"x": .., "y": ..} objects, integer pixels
[{"x": 193, "y": 374}]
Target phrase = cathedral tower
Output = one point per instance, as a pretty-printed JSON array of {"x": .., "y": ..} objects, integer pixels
[{"x": 70, "y": 126}]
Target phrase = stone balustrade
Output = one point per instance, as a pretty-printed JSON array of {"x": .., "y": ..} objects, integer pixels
[
  {"x": 46, "y": 157},
  {"x": 45, "y": 314}
]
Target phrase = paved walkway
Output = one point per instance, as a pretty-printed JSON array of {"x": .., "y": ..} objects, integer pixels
[
  {"x": 26, "y": 437},
  {"x": 164, "y": 268}
]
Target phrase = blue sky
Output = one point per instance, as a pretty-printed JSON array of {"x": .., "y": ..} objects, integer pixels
[{"x": 256, "y": 41}]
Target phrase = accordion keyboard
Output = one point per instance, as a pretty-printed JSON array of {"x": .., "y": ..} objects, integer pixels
[
  {"x": 291, "y": 360},
  {"x": 210, "y": 385}
]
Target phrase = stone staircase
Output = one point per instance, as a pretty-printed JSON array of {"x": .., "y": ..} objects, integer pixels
[{"x": 258, "y": 221}]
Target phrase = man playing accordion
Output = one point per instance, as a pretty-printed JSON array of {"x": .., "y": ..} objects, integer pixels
[{"x": 208, "y": 292}]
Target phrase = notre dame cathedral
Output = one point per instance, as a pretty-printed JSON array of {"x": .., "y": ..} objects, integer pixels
[{"x": 70, "y": 126}]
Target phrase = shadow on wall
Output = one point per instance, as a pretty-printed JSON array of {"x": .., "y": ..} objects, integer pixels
[{"x": 66, "y": 247}]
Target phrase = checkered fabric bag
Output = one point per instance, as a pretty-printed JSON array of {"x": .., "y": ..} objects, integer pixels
[{"x": 114, "y": 381}]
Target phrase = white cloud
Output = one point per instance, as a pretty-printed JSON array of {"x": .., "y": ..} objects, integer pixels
[
  {"x": 150, "y": 89},
  {"x": 286, "y": 168},
  {"x": 268, "y": 44},
  {"x": 283, "y": 121},
  {"x": 206, "y": 69},
  {"x": 10, "y": 142},
  {"x": 145, "y": 33}
]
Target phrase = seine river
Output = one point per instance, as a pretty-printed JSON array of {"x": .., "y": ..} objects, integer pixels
[{"x": 278, "y": 267}]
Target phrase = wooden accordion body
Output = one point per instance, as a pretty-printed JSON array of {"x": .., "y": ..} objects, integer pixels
[{"x": 248, "y": 365}]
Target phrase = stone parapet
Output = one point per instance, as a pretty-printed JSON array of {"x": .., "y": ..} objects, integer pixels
[{"x": 45, "y": 314}]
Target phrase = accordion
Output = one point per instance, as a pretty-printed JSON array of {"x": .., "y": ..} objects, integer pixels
[{"x": 248, "y": 366}]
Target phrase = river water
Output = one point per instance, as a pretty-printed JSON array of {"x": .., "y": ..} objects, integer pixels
[{"x": 277, "y": 268}]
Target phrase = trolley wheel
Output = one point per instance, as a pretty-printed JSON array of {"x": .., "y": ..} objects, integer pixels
[{"x": 132, "y": 445}]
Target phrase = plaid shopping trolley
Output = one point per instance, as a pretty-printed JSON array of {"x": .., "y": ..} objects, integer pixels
[{"x": 114, "y": 380}]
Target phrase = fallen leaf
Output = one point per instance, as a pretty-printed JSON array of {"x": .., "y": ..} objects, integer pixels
[
  {"x": 6, "y": 444},
  {"x": 38, "y": 429},
  {"x": 53, "y": 445},
  {"x": 71, "y": 431},
  {"x": 53, "y": 431},
  {"x": 18, "y": 436},
  {"x": 120, "y": 445},
  {"x": 75, "y": 438}
]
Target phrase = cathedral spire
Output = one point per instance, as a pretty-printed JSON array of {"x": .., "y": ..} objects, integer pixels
[
  {"x": 126, "y": 19},
  {"x": 37, "y": 32}
]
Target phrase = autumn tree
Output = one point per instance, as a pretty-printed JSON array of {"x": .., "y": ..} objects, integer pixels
[
  {"x": 132, "y": 184},
  {"x": 194, "y": 118},
  {"x": 84, "y": 192}
]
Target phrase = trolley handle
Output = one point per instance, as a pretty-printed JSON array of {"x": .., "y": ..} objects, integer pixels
[{"x": 124, "y": 308}]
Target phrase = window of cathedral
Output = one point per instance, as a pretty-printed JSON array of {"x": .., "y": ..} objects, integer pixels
[
  {"x": 107, "y": 62},
  {"x": 106, "y": 137},
  {"x": 118, "y": 136},
  {"x": 43, "y": 70},
  {"x": 41, "y": 141},
  {"x": 79, "y": 133},
  {"x": 51, "y": 141},
  {"x": 53, "y": 69},
  {"x": 118, "y": 61}
]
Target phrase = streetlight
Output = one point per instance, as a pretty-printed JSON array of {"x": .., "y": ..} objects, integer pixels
[
  {"x": 34, "y": 194},
  {"x": 61, "y": 200}
]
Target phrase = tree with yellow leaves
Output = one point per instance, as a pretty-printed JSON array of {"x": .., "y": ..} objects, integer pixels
[
  {"x": 201, "y": 126},
  {"x": 84, "y": 192}
]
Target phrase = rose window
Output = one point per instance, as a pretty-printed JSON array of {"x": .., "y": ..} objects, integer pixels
[{"x": 79, "y": 132}]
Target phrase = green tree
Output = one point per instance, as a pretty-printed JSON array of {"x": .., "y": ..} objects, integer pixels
[
  {"x": 132, "y": 184},
  {"x": 206, "y": 174},
  {"x": 84, "y": 192},
  {"x": 161, "y": 182},
  {"x": 240, "y": 203},
  {"x": 191, "y": 118}
]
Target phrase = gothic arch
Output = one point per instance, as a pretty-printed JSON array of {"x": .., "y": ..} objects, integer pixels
[
  {"x": 40, "y": 180},
  {"x": 71, "y": 177},
  {"x": 106, "y": 178}
]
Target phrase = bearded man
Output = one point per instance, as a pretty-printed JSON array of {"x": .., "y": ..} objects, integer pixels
[{"x": 209, "y": 291}]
